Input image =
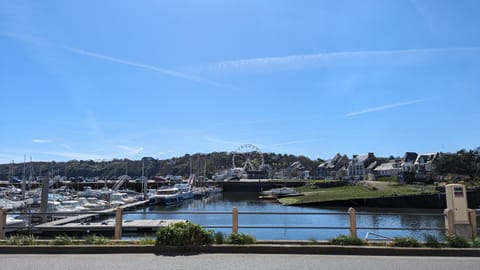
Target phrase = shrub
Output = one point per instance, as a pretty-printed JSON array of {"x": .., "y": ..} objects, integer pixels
[
  {"x": 219, "y": 238},
  {"x": 62, "y": 240},
  {"x": 476, "y": 242},
  {"x": 405, "y": 242},
  {"x": 455, "y": 241},
  {"x": 183, "y": 234},
  {"x": 344, "y": 240},
  {"x": 96, "y": 240},
  {"x": 21, "y": 240},
  {"x": 432, "y": 241},
  {"x": 240, "y": 239}
]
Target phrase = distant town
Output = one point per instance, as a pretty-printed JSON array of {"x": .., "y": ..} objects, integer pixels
[{"x": 248, "y": 162}]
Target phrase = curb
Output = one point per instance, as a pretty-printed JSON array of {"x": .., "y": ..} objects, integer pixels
[{"x": 244, "y": 249}]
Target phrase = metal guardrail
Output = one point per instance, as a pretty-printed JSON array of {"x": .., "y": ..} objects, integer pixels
[
  {"x": 240, "y": 226},
  {"x": 350, "y": 226}
]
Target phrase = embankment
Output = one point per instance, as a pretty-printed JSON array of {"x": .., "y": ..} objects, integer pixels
[{"x": 413, "y": 201}]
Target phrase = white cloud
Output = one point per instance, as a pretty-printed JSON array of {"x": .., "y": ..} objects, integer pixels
[
  {"x": 43, "y": 140},
  {"x": 385, "y": 107}
]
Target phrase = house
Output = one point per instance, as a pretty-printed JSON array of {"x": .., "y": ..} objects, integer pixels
[
  {"x": 296, "y": 170},
  {"x": 331, "y": 169},
  {"x": 424, "y": 166},
  {"x": 388, "y": 169},
  {"x": 357, "y": 167},
  {"x": 407, "y": 174}
]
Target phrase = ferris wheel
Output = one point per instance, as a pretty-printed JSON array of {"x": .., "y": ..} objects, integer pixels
[{"x": 248, "y": 157}]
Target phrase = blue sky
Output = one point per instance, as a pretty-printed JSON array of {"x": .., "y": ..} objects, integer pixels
[{"x": 127, "y": 79}]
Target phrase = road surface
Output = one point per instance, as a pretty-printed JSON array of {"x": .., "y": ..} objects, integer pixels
[{"x": 230, "y": 262}]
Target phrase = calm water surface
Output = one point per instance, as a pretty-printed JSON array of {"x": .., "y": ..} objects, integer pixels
[{"x": 337, "y": 217}]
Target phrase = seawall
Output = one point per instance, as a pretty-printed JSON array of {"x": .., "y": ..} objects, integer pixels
[{"x": 417, "y": 201}]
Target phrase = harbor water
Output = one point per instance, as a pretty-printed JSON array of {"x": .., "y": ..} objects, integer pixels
[{"x": 277, "y": 218}]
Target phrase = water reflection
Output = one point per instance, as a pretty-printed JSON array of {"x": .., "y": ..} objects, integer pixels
[{"x": 367, "y": 217}]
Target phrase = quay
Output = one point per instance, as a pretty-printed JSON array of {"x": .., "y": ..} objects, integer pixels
[
  {"x": 89, "y": 216},
  {"x": 86, "y": 223},
  {"x": 107, "y": 226}
]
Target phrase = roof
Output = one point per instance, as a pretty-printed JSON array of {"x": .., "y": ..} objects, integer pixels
[
  {"x": 333, "y": 162},
  {"x": 426, "y": 158},
  {"x": 387, "y": 166},
  {"x": 410, "y": 157}
]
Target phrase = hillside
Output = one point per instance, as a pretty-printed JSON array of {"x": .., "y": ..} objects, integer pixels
[{"x": 200, "y": 164}]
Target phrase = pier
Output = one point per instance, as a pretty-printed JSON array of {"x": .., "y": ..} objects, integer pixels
[{"x": 90, "y": 222}]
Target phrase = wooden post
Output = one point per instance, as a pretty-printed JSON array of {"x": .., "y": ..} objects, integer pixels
[
  {"x": 118, "y": 223},
  {"x": 353, "y": 222},
  {"x": 234, "y": 220},
  {"x": 3, "y": 223},
  {"x": 472, "y": 214},
  {"x": 449, "y": 221}
]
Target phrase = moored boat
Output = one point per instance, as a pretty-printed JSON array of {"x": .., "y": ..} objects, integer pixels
[
  {"x": 166, "y": 196},
  {"x": 276, "y": 193}
]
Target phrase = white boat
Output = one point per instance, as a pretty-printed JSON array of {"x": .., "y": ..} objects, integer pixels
[
  {"x": 93, "y": 204},
  {"x": 14, "y": 223},
  {"x": 215, "y": 190},
  {"x": 185, "y": 191},
  {"x": 119, "y": 198},
  {"x": 166, "y": 196},
  {"x": 73, "y": 206},
  {"x": 275, "y": 193}
]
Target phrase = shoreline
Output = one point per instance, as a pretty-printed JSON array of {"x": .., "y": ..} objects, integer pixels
[{"x": 427, "y": 201}]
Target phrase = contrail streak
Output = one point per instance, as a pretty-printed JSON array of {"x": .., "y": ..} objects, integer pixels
[{"x": 384, "y": 107}]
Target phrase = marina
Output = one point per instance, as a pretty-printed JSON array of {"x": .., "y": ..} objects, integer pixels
[
  {"x": 96, "y": 210},
  {"x": 266, "y": 220}
]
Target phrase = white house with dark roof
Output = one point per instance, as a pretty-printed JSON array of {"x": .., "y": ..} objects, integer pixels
[
  {"x": 407, "y": 174},
  {"x": 391, "y": 168},
  {"x": 357, "y": 167},
  {"x": 424, "y": 166},
  {"x": 331, "y": 169}
]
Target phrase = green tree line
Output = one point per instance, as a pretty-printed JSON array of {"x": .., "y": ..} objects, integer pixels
[{"x": 200, "y": 164}]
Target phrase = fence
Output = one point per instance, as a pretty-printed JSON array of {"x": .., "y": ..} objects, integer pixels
[{"x": 351, "y": 227}]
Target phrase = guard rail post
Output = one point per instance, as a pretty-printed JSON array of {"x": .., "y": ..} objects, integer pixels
[
  {"x": 449, "y": 221},
  {"x": 353, "y": 222},
  {"x": 472, "y": 214},
  {"x": 118, "y": 223},
  {"x": 234, "y": 220},
  {"x": 3, "y": 223}
]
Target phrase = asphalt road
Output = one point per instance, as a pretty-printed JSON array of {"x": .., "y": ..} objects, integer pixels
[{"x": 230, "y": 262}]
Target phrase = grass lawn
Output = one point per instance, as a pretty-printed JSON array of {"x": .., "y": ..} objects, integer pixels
[{"x": 367, "y": 190}]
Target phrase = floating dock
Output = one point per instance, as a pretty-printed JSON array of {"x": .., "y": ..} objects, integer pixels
[
  {"x": 90, "y": 222},
  {"x": 108, "y": 226}
]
